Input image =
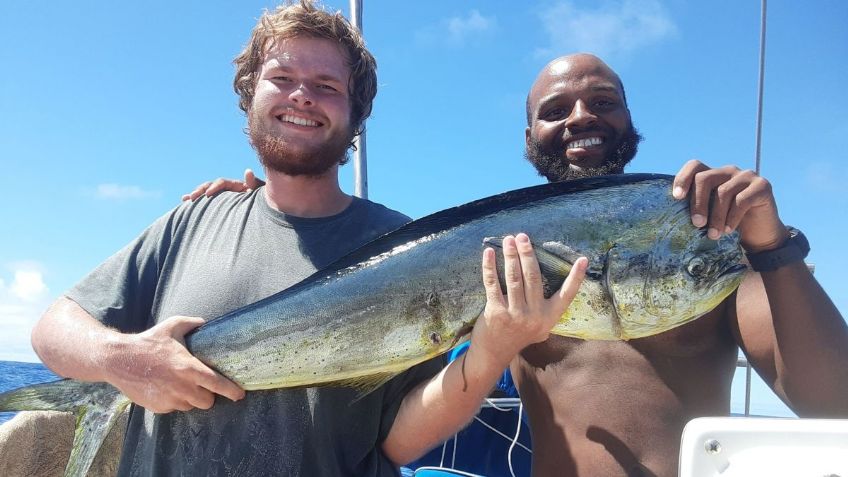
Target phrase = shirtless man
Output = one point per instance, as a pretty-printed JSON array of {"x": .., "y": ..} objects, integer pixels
[
  {"x": 602, "y": 408},
  {"x": 619, "y": 408}
]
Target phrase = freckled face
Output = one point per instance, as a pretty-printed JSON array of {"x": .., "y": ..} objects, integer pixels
[
  {"x": 578, "y": 116},
  {"x": 299, "y": 119}
]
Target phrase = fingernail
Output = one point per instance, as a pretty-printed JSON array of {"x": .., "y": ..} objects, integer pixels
[
  {"x": 727, "y": 229},
  {"x": 699, "y": 220},
  {"x": 522, "y": 238},
  {"x": 677, "y": 192},
  {"x": 713, "y": 233}
]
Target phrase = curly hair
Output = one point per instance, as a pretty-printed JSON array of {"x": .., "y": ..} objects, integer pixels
[{"x": 305, "y": 19}]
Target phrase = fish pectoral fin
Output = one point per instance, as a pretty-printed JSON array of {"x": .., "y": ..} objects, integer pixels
[
  {"x": 549, "y": 262},
  {"x": 365, "y": 385},
  {"x": 496, "y": 242},
  {"x": 96, "y": 405},
  {"x": 554, "y": 268},
  {"x": 552, "y": 264}
]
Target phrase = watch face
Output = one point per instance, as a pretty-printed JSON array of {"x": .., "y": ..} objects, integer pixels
[{"x": 798, "y": 239}]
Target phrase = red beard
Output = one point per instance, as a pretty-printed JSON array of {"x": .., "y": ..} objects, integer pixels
[{"x": 276, "y": 155}]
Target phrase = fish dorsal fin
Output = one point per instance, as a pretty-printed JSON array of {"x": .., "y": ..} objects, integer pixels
[{"x": 439, "y": 222}]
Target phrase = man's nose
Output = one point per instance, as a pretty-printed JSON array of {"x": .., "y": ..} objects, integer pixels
[
  {"x": 301, "y": 95},
  {"x": 581, "y": 116}
]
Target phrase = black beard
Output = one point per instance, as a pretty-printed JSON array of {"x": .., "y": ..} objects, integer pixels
[
  {"x": 274, "y": 154},
  {"x": 553, "y": 166}
]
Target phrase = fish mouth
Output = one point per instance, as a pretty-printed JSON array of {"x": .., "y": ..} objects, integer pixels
[{"x": 734, "y": 269}]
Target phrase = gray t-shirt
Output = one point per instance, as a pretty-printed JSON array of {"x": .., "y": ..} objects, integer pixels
[{"x": 207, "y": 258}]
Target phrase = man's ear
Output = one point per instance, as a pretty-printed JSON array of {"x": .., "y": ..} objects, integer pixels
[{"x": 527, "y": 136}]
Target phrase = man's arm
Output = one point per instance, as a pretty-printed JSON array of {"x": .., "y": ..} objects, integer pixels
[
  {"x": 796, "y": 339},
  {"x": 152, "y": 368},
  {"x": 439, "y": 407},
  {"x": 784, "y": 321}
]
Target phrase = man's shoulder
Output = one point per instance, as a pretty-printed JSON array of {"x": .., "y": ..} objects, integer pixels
[
  {"x": 383, "y": 214},
  {"x": 224, "y": 203}
]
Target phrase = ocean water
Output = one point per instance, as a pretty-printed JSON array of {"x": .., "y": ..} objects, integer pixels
[{"x": 14, "y": 374}]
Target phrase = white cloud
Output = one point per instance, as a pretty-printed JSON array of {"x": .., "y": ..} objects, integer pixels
[
  {"x": 15, "y": 329},
  {"x": 22, "y": 302},
  {"x": 28, "y": 285},
  {"x": 124, "y": 192},
  {"x": 608, "y": 28},
  {"x": 458, "y": 30},
  {"x": 475, "y": 24}
]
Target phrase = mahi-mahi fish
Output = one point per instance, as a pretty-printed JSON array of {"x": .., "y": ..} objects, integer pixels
[{"x": 415, "y": 293}]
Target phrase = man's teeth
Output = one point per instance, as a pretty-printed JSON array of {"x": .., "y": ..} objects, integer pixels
[
  {"x": 299, "y": 121},
  {"x": 589, "y": 141}
]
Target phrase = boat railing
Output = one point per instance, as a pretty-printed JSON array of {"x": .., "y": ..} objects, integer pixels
[{"x": 742, "y": 362}]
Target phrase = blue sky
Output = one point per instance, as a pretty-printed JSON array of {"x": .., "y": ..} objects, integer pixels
[{"x": 110, "y": 111}]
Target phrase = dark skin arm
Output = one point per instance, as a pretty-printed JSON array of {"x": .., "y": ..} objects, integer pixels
[
  {"x": 788, "y": 327},
  {"x": 211, "y": 188}
]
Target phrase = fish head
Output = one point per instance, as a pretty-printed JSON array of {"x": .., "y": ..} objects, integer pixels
[{"x": 667, "y": 274}]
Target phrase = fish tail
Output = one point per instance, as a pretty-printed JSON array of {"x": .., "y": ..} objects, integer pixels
[{"x": 96, "y": 405}]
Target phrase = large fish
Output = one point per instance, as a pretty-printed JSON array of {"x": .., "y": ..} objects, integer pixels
[{"x": 416, "y": 292}]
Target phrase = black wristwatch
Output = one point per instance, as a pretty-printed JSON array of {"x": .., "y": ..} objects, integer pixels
[{"x": 794, "y": 249}]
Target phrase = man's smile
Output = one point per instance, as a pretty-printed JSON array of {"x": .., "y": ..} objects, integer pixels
[
  {"x": 585, "y": 142},
  {"x": 290, "y": 118}
]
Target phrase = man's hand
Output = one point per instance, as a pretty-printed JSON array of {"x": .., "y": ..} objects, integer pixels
[
  {"x": 211, "y": 188},
  {"x": 156, "y": 371},
  {"x": 727, "y": 198},
  {"x": 509, "y": 324},
  {"x": 439, "y": 407}
]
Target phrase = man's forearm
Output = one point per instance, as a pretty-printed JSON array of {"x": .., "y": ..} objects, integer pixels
[
  {"x": 152, "y": 368},
  {"x": 441, "y": 406},
  {"x": 70, "y": 342},
  {"x": 812, "y": 343},
  {"x": 438, "y": 408}
]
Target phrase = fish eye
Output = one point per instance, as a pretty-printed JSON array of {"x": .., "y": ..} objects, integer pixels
[{"x": 696, "y": 267}]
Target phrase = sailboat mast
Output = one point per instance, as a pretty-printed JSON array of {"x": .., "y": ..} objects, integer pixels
[{"x": 360, "y": 160}]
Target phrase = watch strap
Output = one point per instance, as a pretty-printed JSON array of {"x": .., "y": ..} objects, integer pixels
[{"x": 795, "y": 249}]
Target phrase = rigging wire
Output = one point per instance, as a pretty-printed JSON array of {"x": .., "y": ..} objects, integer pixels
[{"x": 761, "y": 74}]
